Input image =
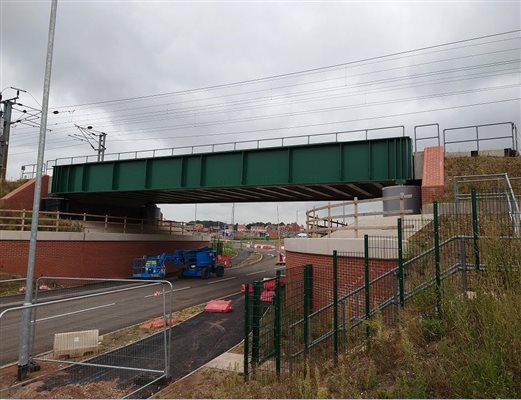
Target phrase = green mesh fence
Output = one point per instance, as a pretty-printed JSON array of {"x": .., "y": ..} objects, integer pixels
[{"x": 313, "y": 313}]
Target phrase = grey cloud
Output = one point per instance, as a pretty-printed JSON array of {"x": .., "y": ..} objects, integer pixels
[{"x": 108, "y": 50}]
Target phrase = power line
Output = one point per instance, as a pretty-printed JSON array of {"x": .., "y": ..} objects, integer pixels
[
  {"x": 319, "y": 124},
  {"x": 306, "y": 112},
  {"x": 337, "y": 108},
  {"x": 307, "y": 71},
  {"x": 172, "y": 114},
  {"x": 301, "y": 83}
]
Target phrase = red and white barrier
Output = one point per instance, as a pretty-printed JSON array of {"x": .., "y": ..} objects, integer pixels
[{"x": 282, "y": 259}]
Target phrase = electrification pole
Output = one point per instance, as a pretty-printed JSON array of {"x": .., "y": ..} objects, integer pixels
[
  {"x": 5, "y": 129},
  {"x": 101, "y": 146},
  {"x": 24, "y": 364}
]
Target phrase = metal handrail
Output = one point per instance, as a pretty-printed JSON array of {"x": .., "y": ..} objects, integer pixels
[
  {"x": 426, "y": 137},
  {"x": 213, "y": 147},
  {"x": 513, "y": 135},
  {"x": 312, "y": 219},
  {"x": 512, "y": 201}
]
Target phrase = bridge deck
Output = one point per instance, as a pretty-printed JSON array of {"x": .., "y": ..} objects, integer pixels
[{"x": 325, "y": 171}]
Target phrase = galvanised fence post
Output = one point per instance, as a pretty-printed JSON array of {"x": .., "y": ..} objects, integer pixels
[
  {"x": 366, "y": 283},
  {"x": 255, "y": 351},
  {"x": 335, "y": 307},
  {"x": 307, "y": 304},
  {"x": 277, "y": 324},
  {"x": 247, "y": 329},
  {"x": 463, "y": 265},
  {"x": 437, "y": 258},
  {"x": 475, "y": 228},
  {"x": 401, "y": 286}
]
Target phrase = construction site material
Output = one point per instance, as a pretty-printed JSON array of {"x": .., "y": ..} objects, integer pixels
[
  {"x": 157, "y": 323},
  {"x": 75, "y": 344},
  {"x": 219, "y": 306},
  {"x": 267, "y": 296}
]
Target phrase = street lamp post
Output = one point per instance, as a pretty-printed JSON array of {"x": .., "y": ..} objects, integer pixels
[{"x": 24, "y": 364}]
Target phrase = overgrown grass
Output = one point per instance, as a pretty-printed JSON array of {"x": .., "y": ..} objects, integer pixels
[
  {"x": 457, "y": 166},
  {"x": 229, "y": 250},
  {"x": 9, "y": 186},
  {"x": 472, "y": 350}
]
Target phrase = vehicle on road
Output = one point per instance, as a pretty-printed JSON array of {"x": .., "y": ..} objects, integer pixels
[{"x": 194, "y": 262}]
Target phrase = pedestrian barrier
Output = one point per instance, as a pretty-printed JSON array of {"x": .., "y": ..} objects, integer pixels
[
  {"x": 89, "y": 329},
  {"x": 324, "y": 309}
]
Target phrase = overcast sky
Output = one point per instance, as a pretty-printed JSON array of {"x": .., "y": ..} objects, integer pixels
[{"x": 108, "y": 50}]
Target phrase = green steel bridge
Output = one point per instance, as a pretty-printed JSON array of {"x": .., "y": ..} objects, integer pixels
[{"x": 305, "y": 172}]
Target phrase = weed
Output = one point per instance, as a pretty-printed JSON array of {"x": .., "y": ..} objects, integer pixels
[{"x": 433, "y": 329}]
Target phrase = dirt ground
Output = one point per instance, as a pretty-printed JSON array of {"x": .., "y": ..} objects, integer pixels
[
  {"x": 201, "y": 384},
  {"x": 96, "y": 390},
  {"x": 11, "y": 388}
]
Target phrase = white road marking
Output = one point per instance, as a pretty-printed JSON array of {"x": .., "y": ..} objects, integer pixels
[
  {"x": 75, "y": 312},
  {"x": 183, "y": 288},
  {"x": 221, "y": 280},
  {"x": 175, "y": 290},
  {"x": 254, "y": 273}
]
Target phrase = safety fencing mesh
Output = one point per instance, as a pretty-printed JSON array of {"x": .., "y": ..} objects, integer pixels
[
  {"x": 315, "y": 312},
  {"x": 91, "y": 332}
]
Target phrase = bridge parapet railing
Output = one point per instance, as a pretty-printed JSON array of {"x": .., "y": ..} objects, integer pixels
[
  {"x": 29, "y": 170},
  {"x": 56, "y": 221},
  {"x": 475, "y": 136},
  {"x": 480, "y": 138}
]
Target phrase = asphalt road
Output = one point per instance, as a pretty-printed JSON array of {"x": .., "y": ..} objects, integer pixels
[{"x": 124, "y": 307}]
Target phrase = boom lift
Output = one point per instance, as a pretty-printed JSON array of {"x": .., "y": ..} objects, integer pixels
[{"x": 195, "y": 262}]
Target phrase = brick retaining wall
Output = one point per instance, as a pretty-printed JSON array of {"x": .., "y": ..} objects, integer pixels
[
  {"x": 350, "y": 276},
  {"x": 22, "y": 197},
  {"x": 84, "y": 258}
]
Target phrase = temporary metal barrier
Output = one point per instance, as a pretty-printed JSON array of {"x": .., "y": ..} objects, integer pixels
[{"x": 130, "y": 354}]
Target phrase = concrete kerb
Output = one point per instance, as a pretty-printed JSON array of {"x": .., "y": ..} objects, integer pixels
[
  {"x": 197, "y": 369},
  {"x": 59, "y": 297},
  {"x": 248, "y": 263}
]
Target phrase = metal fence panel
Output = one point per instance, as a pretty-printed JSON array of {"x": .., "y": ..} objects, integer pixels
[
  {"x": 130, "y": 319},
  {"x": 325, "y": 306}
]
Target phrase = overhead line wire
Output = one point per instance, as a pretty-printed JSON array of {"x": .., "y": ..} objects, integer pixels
[{"x": 295, "y": 73}]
